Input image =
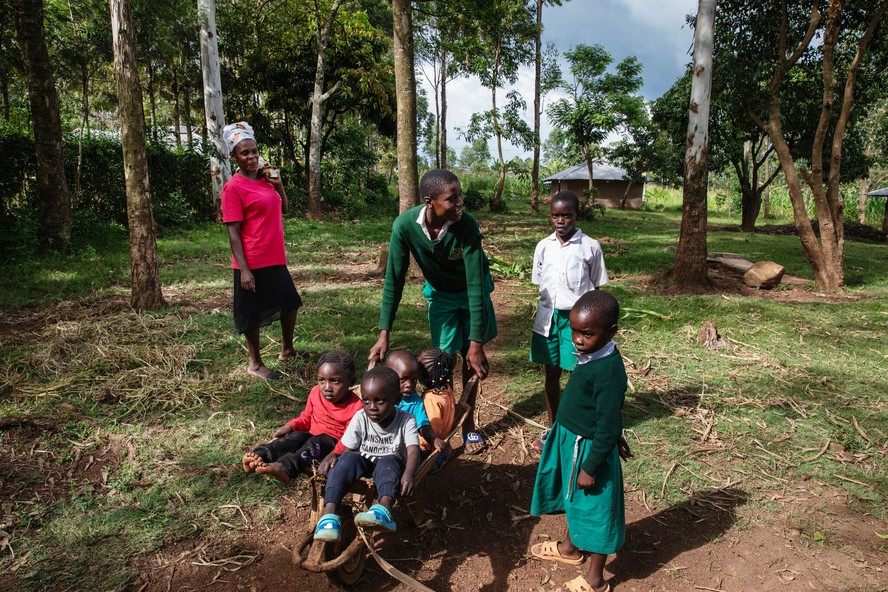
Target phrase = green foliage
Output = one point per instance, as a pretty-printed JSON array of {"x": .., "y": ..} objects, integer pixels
[
  {"x": 597, "y": 102},
  {"x": 179, "y": 188},
  {"x": 504, "y": 268},
  {"x": 473, "y": 200},
  {"x": 351, "y": 184}
]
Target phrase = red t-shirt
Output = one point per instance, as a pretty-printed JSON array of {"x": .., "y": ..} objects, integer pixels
[
  {"x": 257, "y": 206},
  {"x": 323, "y": 417}
]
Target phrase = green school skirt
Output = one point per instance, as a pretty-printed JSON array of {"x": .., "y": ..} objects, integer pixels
[
  {"x": 596, "y": 517},
  {"x": 450, "y": 319}
]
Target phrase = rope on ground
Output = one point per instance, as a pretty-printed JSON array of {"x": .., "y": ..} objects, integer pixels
[{"x": 391, "y": 570}]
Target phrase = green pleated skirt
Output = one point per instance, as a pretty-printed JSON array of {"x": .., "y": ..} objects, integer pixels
[{"x": 596, "y": 517}]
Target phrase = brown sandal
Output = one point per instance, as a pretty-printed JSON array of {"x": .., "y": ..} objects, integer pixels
[
  {"x": 579, "y": 584},
  {"x": 549, "y": 552}
]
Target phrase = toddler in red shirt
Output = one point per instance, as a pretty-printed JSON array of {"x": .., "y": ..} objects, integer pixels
[{"x": 316, "y": 432}]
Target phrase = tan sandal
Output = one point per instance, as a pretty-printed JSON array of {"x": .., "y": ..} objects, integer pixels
[
  {"x": 579, "y": 584},
  {"x": 549, "y": 552}
]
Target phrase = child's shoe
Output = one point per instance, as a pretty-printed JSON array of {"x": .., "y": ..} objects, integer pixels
[
  {"x": 377, "y": 517},
  {"x": 328, "y": 529}
]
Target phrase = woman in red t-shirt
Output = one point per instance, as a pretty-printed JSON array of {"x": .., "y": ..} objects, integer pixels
[{"x": 253, "y": 205}]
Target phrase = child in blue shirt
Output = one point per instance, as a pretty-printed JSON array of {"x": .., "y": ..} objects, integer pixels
[{"x": 407, "y": 367}]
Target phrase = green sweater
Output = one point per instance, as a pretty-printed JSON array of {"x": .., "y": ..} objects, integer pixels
[
  {"x": 591, "y": 406},
  {"x": 456, "y": 263}
]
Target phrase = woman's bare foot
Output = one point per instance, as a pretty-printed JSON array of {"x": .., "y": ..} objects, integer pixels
[
  {"x": 251, "y": 461},
  {"x": 263, "y": 372},
  {"x": 276, "y": 470},
  {"x": 290, "y": 353}
]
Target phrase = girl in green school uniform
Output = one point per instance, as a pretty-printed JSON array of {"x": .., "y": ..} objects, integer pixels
[{"x": 579, "y": 473}]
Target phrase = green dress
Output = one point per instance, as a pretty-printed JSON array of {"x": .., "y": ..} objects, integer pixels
[{"x": 585, "y": 435}]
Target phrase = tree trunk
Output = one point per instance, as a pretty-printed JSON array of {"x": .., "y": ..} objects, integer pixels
[
  {"x": 146, "y": 292},
  {"x": 54, "y": 201},
  {"x": 186, "y": 104},
  {"x": 766, "y": 193},
  {"x": 152, "y": 100},
  {"x": 443, "y": 125},
  {"x": 318, "y": 98},
  {"x": 587, "y": 154},
  {"x": 405, "y": 89},
  {"x": 861, "y": 201},
  {"x": 535, "y": 168},
  {"x": 84, "y": 123},
  {"x": 4, "y": 90},
  {"x": 750, "y": 206},
  {"x": 689, "y": 268},
  {"x": 177, "y": 118},
  {"x": 220, "y": 171},
  {"x": 826, "y": 255},
  {"x": 496, "y": 199}
]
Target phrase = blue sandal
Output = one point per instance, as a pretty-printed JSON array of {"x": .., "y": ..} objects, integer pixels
[
  {"x": 377, "y": 517},
  {"x": 474, "y": 438},
  {"x": 328, "y": 529}
]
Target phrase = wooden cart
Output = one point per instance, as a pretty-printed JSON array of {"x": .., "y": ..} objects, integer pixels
[{"x": 344, "y": 561}]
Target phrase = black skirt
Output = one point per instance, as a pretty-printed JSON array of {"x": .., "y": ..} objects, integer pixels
[{"x": 275, "y": 297}]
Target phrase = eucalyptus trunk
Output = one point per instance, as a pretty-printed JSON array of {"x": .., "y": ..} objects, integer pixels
[
  {"x": 689, "y": 268},
  {"x": 54, "y": 200},
  {"x": 496, "y": 199},
  {"x": 538, "y": 58},
  {"x": 220, "y": 170},
  {"x": 146, "y": 293},
  {"x": 443, "y": 121}
]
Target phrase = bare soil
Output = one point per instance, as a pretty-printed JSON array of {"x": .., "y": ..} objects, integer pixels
[{"x": 477, "y": 531}]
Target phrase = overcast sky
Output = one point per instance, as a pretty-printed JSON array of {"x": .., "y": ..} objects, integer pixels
[{"x": 654, "y": 31}]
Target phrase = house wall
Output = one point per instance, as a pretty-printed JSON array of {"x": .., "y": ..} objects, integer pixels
[{"x": 610, "y": 193}]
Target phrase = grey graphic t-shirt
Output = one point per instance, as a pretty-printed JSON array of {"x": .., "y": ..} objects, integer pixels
[{"x": 373, "y": 442}]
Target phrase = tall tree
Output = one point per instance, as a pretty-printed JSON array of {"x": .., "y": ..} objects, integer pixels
[
  {"x": 435, "y": 34},
  {"x": 220, "y": 171},
  {"x": 81, "y": 42},
  {"x": 146, "y": 293},
  {"x": 503, "y": 29},
  {"x": 539, "y": 88},
  {"x": 52, "y": 188},
  {"x": 598, "y": 102},
  {"x": 689, "y": 268},
  {"x": 319, "y": 96},
  {"x": 788, "y": 42},
  {"x": 405, "y": 84}
]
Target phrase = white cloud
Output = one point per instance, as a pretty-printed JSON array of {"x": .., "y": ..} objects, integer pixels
[{"x": 652, "y": 30}]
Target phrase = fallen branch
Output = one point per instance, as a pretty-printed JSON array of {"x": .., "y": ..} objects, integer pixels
[
  {"x": 819, "y": 454},
  {"x": 860, "y": 430},
  {"x": 666, "y": 478},
  {"x": 510, "y": 412}
]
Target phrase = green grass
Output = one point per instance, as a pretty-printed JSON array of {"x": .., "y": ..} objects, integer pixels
[{"x": 159, "y": 400}]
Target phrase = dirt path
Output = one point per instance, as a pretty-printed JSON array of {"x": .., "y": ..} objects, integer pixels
[{"x": 477, "y": 531}]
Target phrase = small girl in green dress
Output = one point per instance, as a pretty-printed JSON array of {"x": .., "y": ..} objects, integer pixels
[{"x": 579, "y": 472}]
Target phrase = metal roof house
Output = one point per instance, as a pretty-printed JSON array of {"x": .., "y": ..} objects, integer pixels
[{"x": 609, "y": 180}]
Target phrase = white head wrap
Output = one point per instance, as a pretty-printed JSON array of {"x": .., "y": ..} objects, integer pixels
[{"x": 234, "y": 133}]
